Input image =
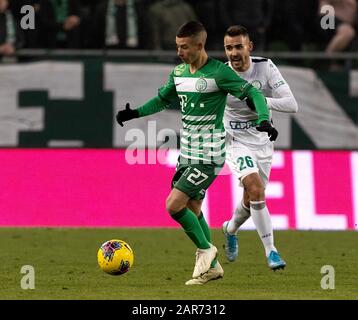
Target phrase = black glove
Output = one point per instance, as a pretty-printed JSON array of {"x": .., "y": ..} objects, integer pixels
[
  {"x": 265, "y": 126},
  {"x": 126, "y": 114}
]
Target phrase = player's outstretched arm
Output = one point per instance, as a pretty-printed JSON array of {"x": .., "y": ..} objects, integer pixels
[
  {"x": 152, "y": 106},
  {"x": 166, "y": 95}
]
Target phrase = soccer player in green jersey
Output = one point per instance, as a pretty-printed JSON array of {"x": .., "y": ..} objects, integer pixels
[{"x": 202, "y": 85}]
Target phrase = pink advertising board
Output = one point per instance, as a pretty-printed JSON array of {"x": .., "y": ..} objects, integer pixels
[{"x": 111, "y": 188}]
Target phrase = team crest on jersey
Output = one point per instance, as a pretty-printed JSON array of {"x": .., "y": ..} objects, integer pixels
[
  {"x": 179, "y": 69},
  {"x": 257, "y": 84},
  {"x": 201, "y": 85}
]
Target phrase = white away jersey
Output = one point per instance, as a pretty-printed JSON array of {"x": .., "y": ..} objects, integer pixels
[{"x": 239, "y": 120}]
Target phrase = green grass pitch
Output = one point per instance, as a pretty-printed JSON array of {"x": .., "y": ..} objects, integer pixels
[{"x": 66, "y": 267}]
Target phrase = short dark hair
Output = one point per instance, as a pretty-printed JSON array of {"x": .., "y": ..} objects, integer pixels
[
  {"x": 189, "y": 29},
  {"x": 237, "y": 30}
]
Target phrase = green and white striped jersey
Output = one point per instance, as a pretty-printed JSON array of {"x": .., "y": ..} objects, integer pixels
[{"x": 202, "y": 98}]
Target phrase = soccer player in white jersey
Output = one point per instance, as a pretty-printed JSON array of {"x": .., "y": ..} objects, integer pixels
[
  {"x": 202, "y": 85},
  {"x": 249, "y": 152}
]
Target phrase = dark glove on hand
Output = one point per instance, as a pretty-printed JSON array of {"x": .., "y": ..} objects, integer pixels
[
  {"x": 265, "y": 126},
  {"x": 126, "y": 114}
]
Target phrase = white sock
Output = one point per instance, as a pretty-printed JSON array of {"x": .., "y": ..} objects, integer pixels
[
  {"x": 240, "y": 215},
  {"x": 262, "y": 220}
]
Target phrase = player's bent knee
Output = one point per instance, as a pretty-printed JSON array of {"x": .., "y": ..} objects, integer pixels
[
  {"x": 256, "y": 192},
  {"x": 173, "y": 206}
]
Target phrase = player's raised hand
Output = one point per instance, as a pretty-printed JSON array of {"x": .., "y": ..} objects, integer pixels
[
  {"x": 126, "y": 114},
  {"x": 265, "y": 126}
]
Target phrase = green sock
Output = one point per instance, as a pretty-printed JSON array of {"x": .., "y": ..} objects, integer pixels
[
  {"x": 206, "y": 230},
  {"x": 189, "y": 222}
]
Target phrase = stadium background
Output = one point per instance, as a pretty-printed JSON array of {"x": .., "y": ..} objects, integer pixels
[
  {"x": 65, "y": 163},
  {"x": 64, "y": 159}
]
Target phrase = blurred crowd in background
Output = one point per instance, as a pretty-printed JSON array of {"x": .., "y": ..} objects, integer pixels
[{"x": 287, "y": 25}]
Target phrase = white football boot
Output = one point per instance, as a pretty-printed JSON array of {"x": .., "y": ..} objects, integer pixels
[
  {"x": 212, "y": 274},
  {"x": 204, "y": 257}
]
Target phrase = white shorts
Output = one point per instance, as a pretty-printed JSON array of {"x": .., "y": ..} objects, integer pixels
[{"x": 244, "y": 161}]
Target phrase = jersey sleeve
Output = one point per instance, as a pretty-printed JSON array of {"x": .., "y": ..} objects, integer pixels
[
  {"x": 275, "y": 79},
  {"x": 166, "y": 94},
  {"x": 232, "y": 83},
  {"x": 228, "y": 81},
  {"x": 282, "y": 99}
]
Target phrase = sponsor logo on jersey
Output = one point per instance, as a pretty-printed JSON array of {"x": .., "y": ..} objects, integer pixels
[
  {"x": 278, "y": 84},
  {"x": 201, "y": 85},
  {"x": 238, "y": 125},
  {"x": 179, "y": 69},
  {"x": 243, "y": 87}
]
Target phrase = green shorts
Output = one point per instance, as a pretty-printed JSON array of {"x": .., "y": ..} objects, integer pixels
[{"x": 194, "y": 179}]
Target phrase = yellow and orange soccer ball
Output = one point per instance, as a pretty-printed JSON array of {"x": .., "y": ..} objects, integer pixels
[{"x": 115, "y": 257}]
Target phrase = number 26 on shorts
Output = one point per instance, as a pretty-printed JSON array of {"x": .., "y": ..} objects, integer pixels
[{"x": 245, "y": 162}]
